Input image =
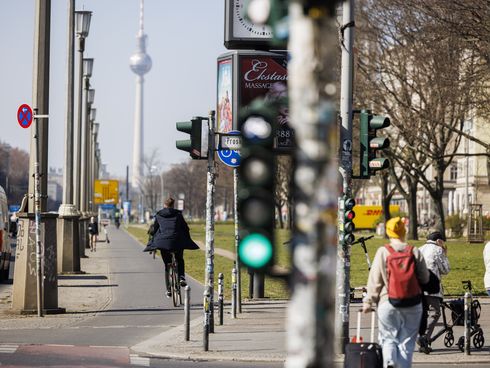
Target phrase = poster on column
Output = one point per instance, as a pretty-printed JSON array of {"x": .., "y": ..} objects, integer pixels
[{"x": 246, "y": 75}]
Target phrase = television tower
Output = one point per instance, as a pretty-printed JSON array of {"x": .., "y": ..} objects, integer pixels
[{"x": 140, "y": 64}]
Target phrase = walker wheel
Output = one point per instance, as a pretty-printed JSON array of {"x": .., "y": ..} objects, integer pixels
[
  {"x": 478, "y": 340},
  {"x": 461, "y": 344},
  {"x": 448, "y": 340}
]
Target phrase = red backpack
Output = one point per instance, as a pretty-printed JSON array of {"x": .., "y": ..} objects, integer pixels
[{"x": 403, "y": 286}]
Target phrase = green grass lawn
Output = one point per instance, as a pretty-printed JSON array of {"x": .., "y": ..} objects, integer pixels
[
  {"x": 466, "y": 260},
  {"x": 195, "y": 260}
]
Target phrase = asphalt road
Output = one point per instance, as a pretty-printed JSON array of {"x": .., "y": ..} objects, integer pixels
[{"x": 138, "y": 310}]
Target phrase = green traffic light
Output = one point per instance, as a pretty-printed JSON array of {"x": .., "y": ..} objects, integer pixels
[{"x": 255, "y": 251}]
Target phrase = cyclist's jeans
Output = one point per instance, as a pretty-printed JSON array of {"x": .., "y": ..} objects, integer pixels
[
  {"x": 398, "y": 328},
  {"x": 179, "y": 256}
]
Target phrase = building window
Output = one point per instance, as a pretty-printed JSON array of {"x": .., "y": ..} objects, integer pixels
[{"x": 453, "y": 174}]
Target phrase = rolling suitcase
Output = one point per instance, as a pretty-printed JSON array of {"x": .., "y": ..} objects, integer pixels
[{"x": 363, "y": 354}]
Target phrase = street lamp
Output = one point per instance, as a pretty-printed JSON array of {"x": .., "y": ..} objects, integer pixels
[
  {"x": 82, "y": 27},
  {"x": 82, "y": 23},
  {"x": 88, "y": 65}
]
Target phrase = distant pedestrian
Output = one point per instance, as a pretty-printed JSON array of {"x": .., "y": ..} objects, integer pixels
[
  {"x": 486, "y": 259},
  {"x": 435, "y": 256},
  {"x": 394, "y": 281},
  {"x": 93, "y": 229}
]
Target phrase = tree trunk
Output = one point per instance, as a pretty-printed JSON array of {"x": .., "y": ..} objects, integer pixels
[{"x": 412, "y": 209}]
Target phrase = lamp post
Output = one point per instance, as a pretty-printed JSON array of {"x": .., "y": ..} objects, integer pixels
[
  {"x": 68, "y": 255},
  {"x": 82, "y": 27},
  {"x": 88, "y": 65},
  {"x": 94, "y": 132}
]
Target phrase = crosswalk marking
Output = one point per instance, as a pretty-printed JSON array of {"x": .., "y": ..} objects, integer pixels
[
  {"x": 137, "y": 360},
  {"x": 8, "y": 349}
]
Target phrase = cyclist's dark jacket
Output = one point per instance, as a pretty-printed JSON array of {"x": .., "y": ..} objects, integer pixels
[{"x": 170, "y": 231}]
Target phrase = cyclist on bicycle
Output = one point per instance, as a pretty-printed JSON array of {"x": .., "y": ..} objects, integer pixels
[{"x": 170, "y": 233}]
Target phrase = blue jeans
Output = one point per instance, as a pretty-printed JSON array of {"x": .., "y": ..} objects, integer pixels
[{"x": 398, "y": 329}]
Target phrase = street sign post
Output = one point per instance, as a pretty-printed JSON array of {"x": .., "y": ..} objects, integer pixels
[{"x": 24, "y": 116}]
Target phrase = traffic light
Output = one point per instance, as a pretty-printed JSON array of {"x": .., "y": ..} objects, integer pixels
[
  {"x": 256, "y": 186},
  {"x": 197, "y": 145},
  {"x": 370, "y": 144},
  {"x": 347, "y": 227}
]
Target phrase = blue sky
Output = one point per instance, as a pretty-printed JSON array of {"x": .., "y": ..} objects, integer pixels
[{"x": 184, "y": 40}]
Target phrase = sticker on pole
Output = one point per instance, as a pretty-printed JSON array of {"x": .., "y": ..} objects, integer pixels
[
  {"x": 230, "y": 157},
  {"x": 24, "y": 116}
]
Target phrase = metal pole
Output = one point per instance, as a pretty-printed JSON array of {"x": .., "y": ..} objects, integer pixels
[
  {"x": 84, "y": 149},
  {"x": 211, "y": 183},
  {"x": 233, "y": 292},
  {"x": 312, "y": 91},
  {"x": 220, "y": 297},
  {"x": 37, "y": 213},
  {"x": 237, "y": 241},
  {"x": 467, "y": 323},
  {"x": 205, "y": 335},
  {"x": 187, "y": 312},
  {"x": 344, "y": 249},
  {"x": 78, "y": 150}
]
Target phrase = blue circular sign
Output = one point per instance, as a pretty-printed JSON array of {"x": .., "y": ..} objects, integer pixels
[{"x": 230, "y": 157}]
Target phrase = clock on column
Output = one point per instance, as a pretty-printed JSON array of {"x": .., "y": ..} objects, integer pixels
[{"x": 240, "y": 33}]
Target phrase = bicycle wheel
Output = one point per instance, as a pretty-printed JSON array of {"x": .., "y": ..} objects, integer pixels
[{"x": 175, "y": 285}]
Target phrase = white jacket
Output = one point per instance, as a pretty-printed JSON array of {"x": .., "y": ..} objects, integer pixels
[
  {"x": 436, "y": 261},
  {"x": 486, "y": 259}
]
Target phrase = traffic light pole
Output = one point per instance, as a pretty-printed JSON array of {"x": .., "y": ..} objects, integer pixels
[
  {"x": 211, "y": 183},
  {"x": 312, "y": 92},
  {"x": 344, "y": 248},
  {"x": 237, "y": 240}
]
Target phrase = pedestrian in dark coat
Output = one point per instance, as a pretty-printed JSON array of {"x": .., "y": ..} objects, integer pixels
[{"x": 170, "y": 233}]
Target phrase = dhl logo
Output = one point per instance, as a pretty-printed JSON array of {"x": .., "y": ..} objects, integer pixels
[{"x": 373, "y": 212}]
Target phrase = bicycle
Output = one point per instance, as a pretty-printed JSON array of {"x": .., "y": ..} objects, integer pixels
[{"x": 173, "y": 275}]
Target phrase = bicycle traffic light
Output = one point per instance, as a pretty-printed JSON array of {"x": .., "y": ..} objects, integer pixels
[
  {"x": 197, "y": 145},
  {"x": 370, "y": 144},
  {"x": 347, "y": 225},
  {"x": 256, "y": 186}
]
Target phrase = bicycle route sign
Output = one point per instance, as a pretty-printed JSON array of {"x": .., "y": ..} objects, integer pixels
[
  {"x": 230, "y": 157},
  {"x": 24, "y": 116}
]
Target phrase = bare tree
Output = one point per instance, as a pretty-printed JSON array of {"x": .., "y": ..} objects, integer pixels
[
  {"x": 151, "y": 181},
  {"x": 423, "y": 77}
]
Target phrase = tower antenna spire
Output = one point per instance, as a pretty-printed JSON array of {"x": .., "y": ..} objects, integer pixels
[{"x": 142, "y": 12}]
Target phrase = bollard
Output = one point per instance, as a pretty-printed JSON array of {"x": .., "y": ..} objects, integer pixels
[
  {"x": 233, "y": 293},
  {"x": 220, "y": 297},
  {"x": 187, "y": 312},
  {"x": 205, "y": 334},
  {"x": 467, "y": 322}
]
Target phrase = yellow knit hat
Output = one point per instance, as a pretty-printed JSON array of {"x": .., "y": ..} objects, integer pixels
[{"x": 395, "y": 228}]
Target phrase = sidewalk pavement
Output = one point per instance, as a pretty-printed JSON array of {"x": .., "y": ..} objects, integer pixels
[{"x": 257, "y": 334}]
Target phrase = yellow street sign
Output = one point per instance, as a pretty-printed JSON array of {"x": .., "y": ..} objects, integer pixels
[{"x": 106, "y": 192}]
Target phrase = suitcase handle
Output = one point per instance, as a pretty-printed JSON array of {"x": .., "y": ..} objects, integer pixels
[{"x": 373, "y": 320}]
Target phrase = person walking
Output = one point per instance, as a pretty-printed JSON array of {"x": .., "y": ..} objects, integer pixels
[
  {"x": 435, "y": 256},
  {"x": 393, "y": 285},
  {"x": 170, "y": 233},
  {"x": 93, "y": 230},
  {"x": 486, "y": 259}
]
